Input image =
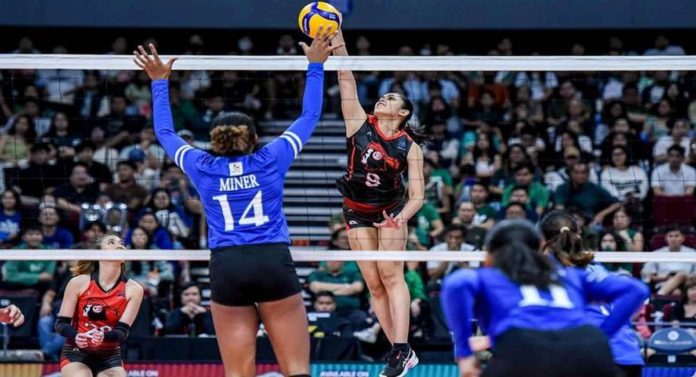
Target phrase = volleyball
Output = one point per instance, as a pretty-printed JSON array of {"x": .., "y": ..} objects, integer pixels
[{"x": 318, "y": 14}]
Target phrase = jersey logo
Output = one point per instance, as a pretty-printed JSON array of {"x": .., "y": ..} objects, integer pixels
[
  {"x": 96, "y": 310},
  {"x": 375, "y": 158},
  {"x": 236, "y": 169}
]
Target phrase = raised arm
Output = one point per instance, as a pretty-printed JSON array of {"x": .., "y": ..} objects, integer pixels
[
  {"x": 177, "y": 149},
  {"x": 353, "y": 113},
  {"x": 290, "y": 143}
]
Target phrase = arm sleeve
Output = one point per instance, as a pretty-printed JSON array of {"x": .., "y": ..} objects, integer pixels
[
  {"x": 458, "y": 292},
  {"x": 64, "y": 327},
  {"x": 286, "y": 147},
  {"x": 118, "y": 334},
  {"x": 183, "y": 155},
  {"x": 625, "y": 294}
]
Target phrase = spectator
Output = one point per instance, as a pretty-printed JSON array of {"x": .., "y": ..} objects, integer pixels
[
  {"x": 103, "y": 153},
  {"x": 29, "y": 274},
  {"x": 685, "y": 311},
  {"x": 454, "y": 241},
  {"x": 11, "y": 214},
  {"x": 146, "y": 142},
  {"x": 624, "y": 182},
  {"x": 537, "y": 193},
  {"x": 324, "y": 321},
  {"x": 31, "y": 182},
  {"x": 664, "y": 274},
  {"x": 485, "y": 214},
  {"x": 655, "y": 125},
  {"x": 632, "y": 238},
  {"x": 90, "y": 100},
  {"x": 148, "y": 273},
  {"x": 121, "y": 122},
  {"x": 91, "y": 232},
  {"x": 620, "y": 137},
  {"x": 674, "y": 178},
  {"x": 571, "y": 156},
  {"x": 339, "y": 241},
  {"x": 15, "y": 144},
  {"x": 60, "y": 132},
  {"x": 612, "y": 242},
  {"x": 184, "y": 113},
  {"x": 679, "y": 135},
  {"x": 519, "y": 195},
  {"x": 595, "y": 201},
  {"x": 514, "y": 156},
  {"x": 191, "y": 318},
  {"x": 483, "y": 157},
  {"x": 664, "y": 47},
  {"x": 126, "y": 190},
  {"x": 158, "y": 236},
  {"x": 78, "y": 190},
  {"x": 172, "y": 218},
  {"x": 346, "y": 286},
  {"x": 435, "y": 190},
  {"x": 98, "y": 171},
  {"x": 429, "y": 225},
  {"x": 53, "y": 235},
  {"x": 26, "y": 46},
  {"x": 515, "y": 211},
  {"x": 466, "y": 215}
]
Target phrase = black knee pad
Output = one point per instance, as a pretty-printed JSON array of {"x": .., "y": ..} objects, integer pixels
[{"x": 300, "y": 375}]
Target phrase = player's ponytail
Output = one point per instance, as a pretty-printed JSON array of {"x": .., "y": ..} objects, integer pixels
[
  {"x": 233, "y": 134},
  {"x": 514, "y": 248},
  {"x": 563, "y": 239}
]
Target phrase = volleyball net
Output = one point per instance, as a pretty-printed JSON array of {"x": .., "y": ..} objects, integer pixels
[{"x": 485, "y": 116}]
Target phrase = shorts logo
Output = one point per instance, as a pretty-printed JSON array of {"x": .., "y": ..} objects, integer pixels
[
  {"x": 353, "y": 222},
  {"x": 236, "y": 169}
]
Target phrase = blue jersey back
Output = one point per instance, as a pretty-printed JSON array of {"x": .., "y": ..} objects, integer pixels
[
  {"x": 625, "y": 345},
  {"x": 503, "y": 304},
  {"x": 242, "y": 196},
  {"x": 500, "y": 304}
]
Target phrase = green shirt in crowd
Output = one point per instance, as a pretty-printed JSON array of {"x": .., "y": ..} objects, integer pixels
[
  {"x": 343, "y": 277},
  {"x": 425, "y": 216}
]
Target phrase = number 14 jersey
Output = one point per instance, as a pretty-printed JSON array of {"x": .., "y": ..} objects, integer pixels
[{"x": 376, "y": 163}]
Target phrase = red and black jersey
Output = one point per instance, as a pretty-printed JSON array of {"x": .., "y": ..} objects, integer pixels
[
  {"x": 98, "y": 309},
  {"x": 376, "y": 163}
]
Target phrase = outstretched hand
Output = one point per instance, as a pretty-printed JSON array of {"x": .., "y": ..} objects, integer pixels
[
  {"x": 390, "y": 221},
  {"x": 321, "y": 47},
  {"x": 152, "y": 64}
]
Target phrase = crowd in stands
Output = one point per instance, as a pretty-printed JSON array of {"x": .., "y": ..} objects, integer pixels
[{"x": 616, "y": 149}]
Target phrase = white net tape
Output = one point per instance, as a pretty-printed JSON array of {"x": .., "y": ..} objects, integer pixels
[
  {"x": 363, "y": 63},
  {"x": 321, "y": 255}
]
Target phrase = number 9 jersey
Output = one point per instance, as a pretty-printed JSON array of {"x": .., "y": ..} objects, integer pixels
[
  {"x": 242, "y": 195},
  {"x": 376, "y": 163}
]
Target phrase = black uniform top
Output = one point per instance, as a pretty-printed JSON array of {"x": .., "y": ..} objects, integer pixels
[{"x": 375, "y": 165}]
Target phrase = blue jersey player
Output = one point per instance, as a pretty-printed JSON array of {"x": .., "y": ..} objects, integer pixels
[
  {"x": 252, "y": 274},
  {"x": 534, "y": 310},
  {"x": 561, "y": 232}
]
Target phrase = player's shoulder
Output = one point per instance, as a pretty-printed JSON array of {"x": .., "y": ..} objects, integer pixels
[
  {"x": 79, "y": 283},
  {"x": 133, "y": 288}
]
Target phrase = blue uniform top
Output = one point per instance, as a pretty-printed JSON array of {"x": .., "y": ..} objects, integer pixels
[
  {"x": 625, "y": 346},
  {"x": 242, "y": 195},
  {"x": 500, "y": 304}
]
